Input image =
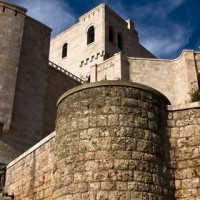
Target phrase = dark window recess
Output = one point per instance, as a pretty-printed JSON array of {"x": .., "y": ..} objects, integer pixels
[
  {"x": 90, "y": 35},
  {"x": 111, "y": 34},
  {"x": 64, "y": 50},
  {"x": 119, "y": 41}
]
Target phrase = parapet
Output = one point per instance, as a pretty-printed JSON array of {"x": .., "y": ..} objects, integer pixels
[{"x": 15, "y": 8}]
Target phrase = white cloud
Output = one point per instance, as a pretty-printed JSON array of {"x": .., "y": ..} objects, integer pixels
[
  {"x": 54, "y": 13},
  {"x": 165, "y": 43},
  {"x": 160, "y": 35}
]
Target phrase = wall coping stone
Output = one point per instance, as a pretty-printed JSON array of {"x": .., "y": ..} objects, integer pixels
[
  {"x": 33, "y": 148},
  {"x": 13, "y": 6},
  {"x": 186, "y": 106},
  {"x": 111, "y": 83}
]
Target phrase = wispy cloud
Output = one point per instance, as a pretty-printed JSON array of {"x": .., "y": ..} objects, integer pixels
[
  {"x": 54, "y": 13},
  {"x": 163, "y": 37},
  {"x": 165, "y": 43}
]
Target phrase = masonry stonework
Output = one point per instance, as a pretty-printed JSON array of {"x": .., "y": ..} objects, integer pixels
[
  {"x": 30, "y": 176},
  {"x": 184, "y": 130},
  {"x": 12, "y": 19},
  {"x": 110, "y": 143},
  {"x": 115, "y": 139},
  {"x": 26, "y": 79}
]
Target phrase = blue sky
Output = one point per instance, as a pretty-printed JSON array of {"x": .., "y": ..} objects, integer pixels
[{"x": 165, "y": 27}]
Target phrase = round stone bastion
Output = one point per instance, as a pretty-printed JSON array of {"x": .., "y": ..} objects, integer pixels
[{"x": 111, "y": 143}]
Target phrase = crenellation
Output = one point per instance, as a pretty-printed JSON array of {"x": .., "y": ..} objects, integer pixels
[
  {"x": 92, "y": 12},
  {"x": 126, "y": 129},
  {"x": 92, "y": 58},
  {"x": 12, "y": 8}
]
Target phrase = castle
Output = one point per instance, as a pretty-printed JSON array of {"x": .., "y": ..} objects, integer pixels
[{"x": 124, "y": 128}]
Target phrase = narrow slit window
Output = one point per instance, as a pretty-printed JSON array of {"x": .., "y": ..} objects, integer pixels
[
  {"x": 90, "y": 35},
  {"x": 119, "y": 41},
  {"x": 111, "y": 34},
  {"x": 64, "y": 50}
]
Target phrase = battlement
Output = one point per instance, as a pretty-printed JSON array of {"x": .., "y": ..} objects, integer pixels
[
  {"x": 92, "y": 58},
  {"x": 92, "y": 12},
  {"x": 10, "y": 8}
]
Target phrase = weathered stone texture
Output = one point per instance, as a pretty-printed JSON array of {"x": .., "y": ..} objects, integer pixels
[
  {"x": 56, "y": 84},
  {"x": 176, "y": 77},
  {"x": 12, "y": 25},
  {"x": 30, "y": 175},
  {"x": 29, "y": 88},
  {"x": 28, "y": 106},
  {"x": 110, "y": 144},
  {"x": 185, "y": 151}
]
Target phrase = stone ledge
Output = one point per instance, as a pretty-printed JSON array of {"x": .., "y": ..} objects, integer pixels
[
  {"x": 185, "y": 106},
  {"x": 111, "y": 83},
  {"x": 36, "y": 146},
  {"x": 13, "y": 6}
]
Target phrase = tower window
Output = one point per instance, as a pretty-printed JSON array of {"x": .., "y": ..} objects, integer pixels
[
  {"x": 111, "y": 34},
  {"x": 119, "y": 41},
  {"x": 90, "y": 35},
  {"x": 64, "y": 50}
]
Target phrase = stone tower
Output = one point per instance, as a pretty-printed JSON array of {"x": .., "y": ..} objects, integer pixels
[
  {"x": 23, "y": 71},
  {"x": 97, "y": 36},
  {"x": 115, "y": 139},
  {"x": 111, "y": 143},
  {"x": 27, "y": 81}
]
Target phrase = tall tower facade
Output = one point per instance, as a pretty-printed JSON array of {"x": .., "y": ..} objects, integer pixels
[
  {"x": 98, "y": 35},
  {"x": 23, "y": 71}
]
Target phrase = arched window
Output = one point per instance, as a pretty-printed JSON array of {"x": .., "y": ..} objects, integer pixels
[
  {"x": 90, "y": 35},
  {"x": 64, "y": 50},
  {"x": 119, "y": 41},
  {"x": 111, "y": 34}
]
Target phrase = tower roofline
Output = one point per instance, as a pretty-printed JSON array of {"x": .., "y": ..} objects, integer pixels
[
  {"x": 127, "y": 22},
  {"x": 103, "y": 5},
  {"x": 13, "y": 6}
]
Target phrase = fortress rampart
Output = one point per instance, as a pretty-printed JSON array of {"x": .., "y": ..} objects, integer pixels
[
  {"x": 174, "y": 78},
  {"x": 12, "y": 19},
  {"x": 110, "y": 143},
  {"x": 113, "y": 139},
  {"x": 26, "y": 82}
]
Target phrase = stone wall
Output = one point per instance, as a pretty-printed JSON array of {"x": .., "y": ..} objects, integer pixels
[
  {"x": 184, "y": 127},
  {"x": 174, "y": 78},
  {"x": 111, "y": 143},
  {"x": 57, "y": 83},
  {"x": 115, "y": 140},
  {"x": 114, "y": 68},
  {"x": 28, "y": 107},
  {"x": 30, "y": 176},
  {"x": 12, "y": 20},
  {"x": 28, "y": 104},
  {"x": 197, "y": 60}
]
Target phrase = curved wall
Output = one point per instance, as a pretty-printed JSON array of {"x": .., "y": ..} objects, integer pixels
[
  {"x": 111, "y": 143},
  {"x": 12, "y": 20}
]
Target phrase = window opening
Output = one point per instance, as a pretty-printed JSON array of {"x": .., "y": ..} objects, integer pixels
[
  {"x": 119, "y": 41},
  {"x": 111, "y": 34},
  {"x": 64, "y": 50},
  {"x": 90, "y": 35}
]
